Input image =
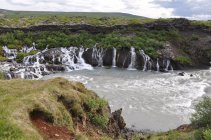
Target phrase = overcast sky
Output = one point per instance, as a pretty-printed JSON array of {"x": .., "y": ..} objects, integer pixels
[{"x": 194, "y": 9}]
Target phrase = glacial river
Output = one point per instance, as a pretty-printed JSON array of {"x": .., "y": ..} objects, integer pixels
[{"x": 150, "y": 100}]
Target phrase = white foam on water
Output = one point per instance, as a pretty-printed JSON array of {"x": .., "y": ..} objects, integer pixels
[{"x": 148, "y": 99}]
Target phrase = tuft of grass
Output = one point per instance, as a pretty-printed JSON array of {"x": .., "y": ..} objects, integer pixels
[
  {"x": 99, "y": 120},
  {"x": 9, "y": 131},
  {"x": 2, "y": 77},
  {"x": 95, "y": 104}
]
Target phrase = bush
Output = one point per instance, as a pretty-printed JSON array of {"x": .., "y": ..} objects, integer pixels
[
  {"x": 99, "y": 120},
  {"x": 21, "y": 55},
  {"x": 207, "y": 134},
  {"x": 96, "y": 104},
  {"x": 2, "y": 58},
  {"x": 202, "y": 116},
  {"x": 184, "y": 60}
]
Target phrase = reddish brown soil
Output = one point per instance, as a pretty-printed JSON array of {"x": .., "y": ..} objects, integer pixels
[{"x": 50, "y": 131}]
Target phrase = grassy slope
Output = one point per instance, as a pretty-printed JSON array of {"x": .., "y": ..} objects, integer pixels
[
  {"x": 89, "y": 14},
  {"x": 31, "y": 18},
  {"x": 20, "y": 97}
]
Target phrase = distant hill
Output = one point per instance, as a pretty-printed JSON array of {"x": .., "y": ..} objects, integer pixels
[{"x": 87, "y": 14}]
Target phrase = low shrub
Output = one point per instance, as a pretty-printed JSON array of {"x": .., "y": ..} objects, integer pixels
[
  {"x": 207, "y": 134},
  {"x": 21, "y": 55},
  {"x": 98, "y": 120},
  {"x": 96, "y": 103},
  {"x": 2, "y": 58},
  {"x": 184, "y": 60},
  {"x": 202, "y": 117}
]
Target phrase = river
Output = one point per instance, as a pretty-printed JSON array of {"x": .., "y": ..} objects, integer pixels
[{"x": 150, "y": 100}]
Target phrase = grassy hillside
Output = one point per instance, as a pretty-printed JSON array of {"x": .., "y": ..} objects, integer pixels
[
  {"x": 9, "y": 13},
  {"x": 32, "y": 18},
  {"x": 65, "y": 109}
]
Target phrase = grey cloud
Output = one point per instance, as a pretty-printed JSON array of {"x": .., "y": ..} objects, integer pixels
[{"x": 187, "y": 8}]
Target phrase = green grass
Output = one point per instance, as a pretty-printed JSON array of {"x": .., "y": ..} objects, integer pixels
[
  {"x": 184, "y": 60},
  {"x": 31, "y": 18},
  {"x": 18, "y": 98},
  {"x": 9, "y": 131},
  {"x": 2, "y": 76}
]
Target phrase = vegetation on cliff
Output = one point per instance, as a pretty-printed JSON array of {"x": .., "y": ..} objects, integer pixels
[{"x": 148, "y": 40}]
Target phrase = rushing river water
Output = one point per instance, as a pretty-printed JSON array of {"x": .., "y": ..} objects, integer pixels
[{"x": 150, "y": 100}]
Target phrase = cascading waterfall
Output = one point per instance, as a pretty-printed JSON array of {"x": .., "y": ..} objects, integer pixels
[
  {"x": 69, "y": 59},
  {"x": 81, "y": 62},
  {"x": 158, "y": 66},
  {"x": 97, "y": 54},
  {"x": 146, "y": 60},
  {"x": 114, "y": 58},
  {"x": 33, "y": 62},
  {"x": 26, "y": 49},
  {"x": 133, "y": 59},
  {"x": 167, "y": 65},
  {"x": 9, "y": 53}
]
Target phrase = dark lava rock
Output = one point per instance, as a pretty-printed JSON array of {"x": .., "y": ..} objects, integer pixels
[
  {"x": 116, "y": 123},
  {"x": 181, "y": 74}
]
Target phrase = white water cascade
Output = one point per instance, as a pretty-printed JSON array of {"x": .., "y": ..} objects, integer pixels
[
  {"x": 114, "y": 58},
  {"x": 168, "y": 65},
  {"x": 146, "y": 60},
  {"x": 26, "y": 49},
  {"x": 33, "y": 66},
  {"x": 81, "y": 62},
  {"x": 158, "y": 66},
  {"x": 68, "y": 58},
  {"x": 9, "y": 53},
  {"x": 97, "y": 54},
  {"x": 72, "y": 61},
  {"x": 133, "y": 59}
]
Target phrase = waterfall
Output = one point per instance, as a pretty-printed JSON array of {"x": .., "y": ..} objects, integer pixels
[
  {"x": 158, "y": 66},
  {"x": 114, "y": 58},
  {"x": 167, "y": 64},
  {"x": 132, "y": 59},
  {"x": 146, "y": 60},
  {"x": 26, "y": 49},
  {"x": 9, "y": 53},
  {"x": 97, "y": 54},
  {"x": 68, "y": 58},
  {"x": 33, "y": 67},
  {"x": 81, "y": 62}
]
